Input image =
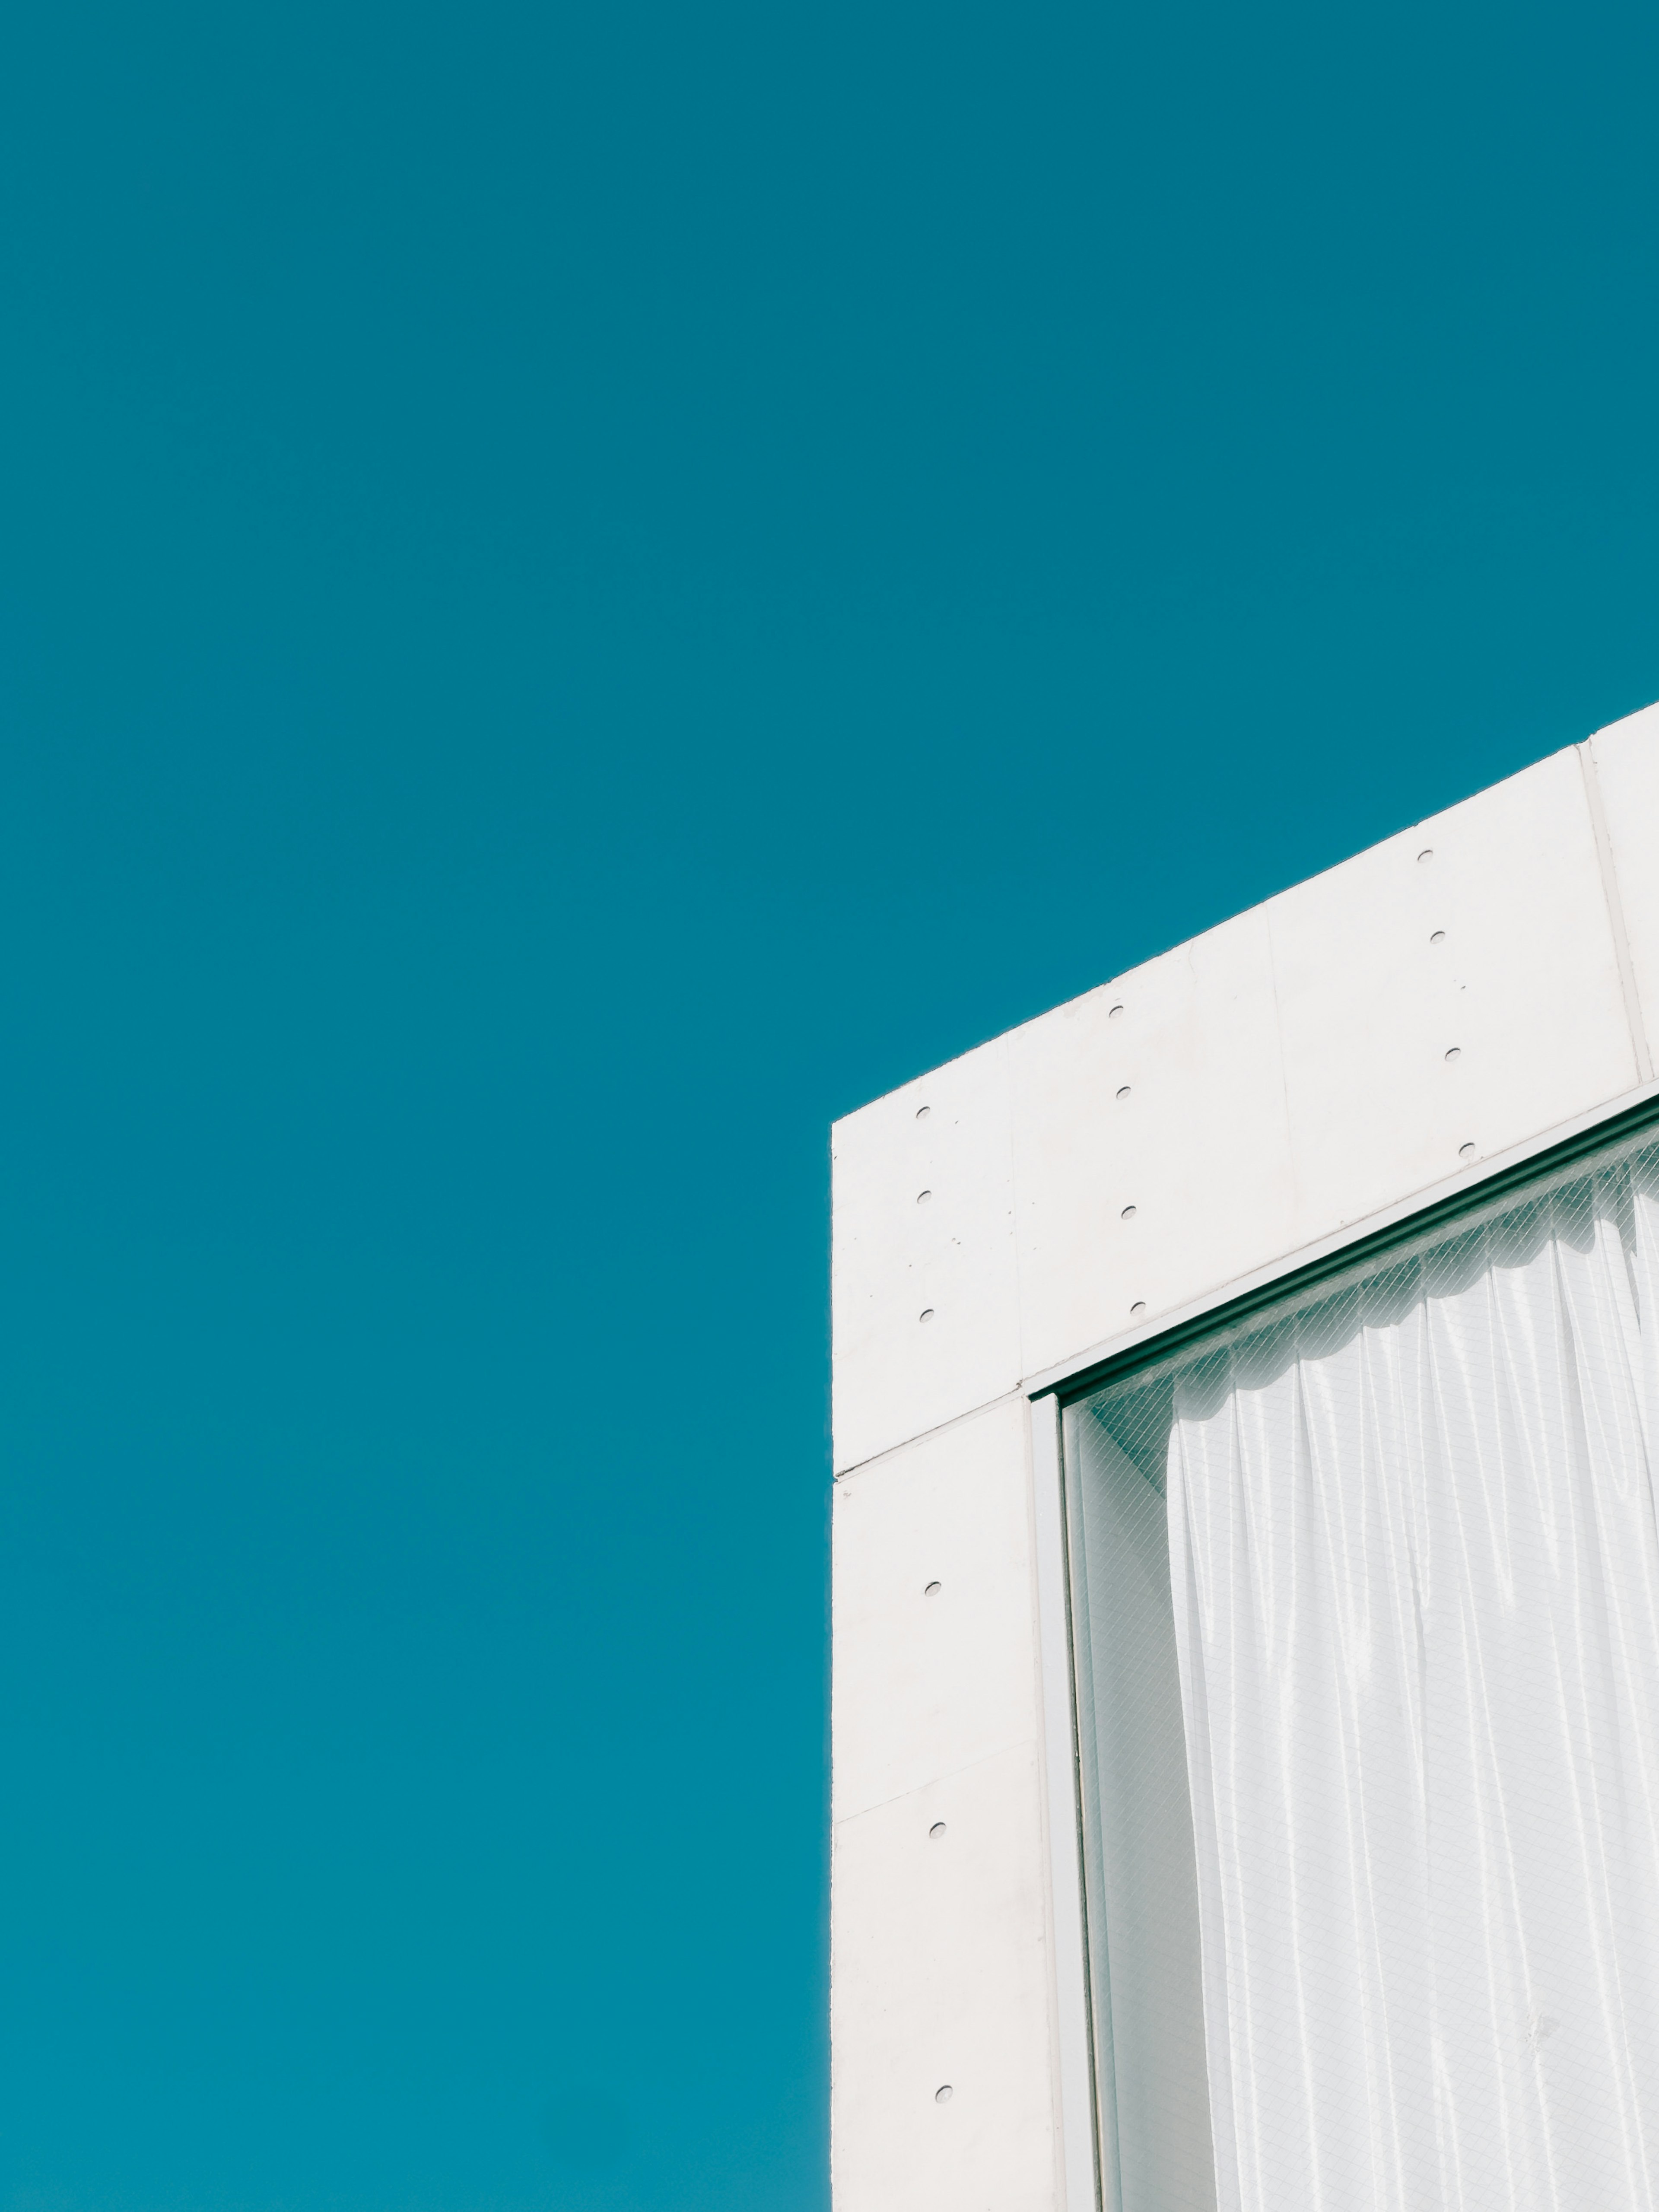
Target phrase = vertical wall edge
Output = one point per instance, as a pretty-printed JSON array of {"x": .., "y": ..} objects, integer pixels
[{"x": 1074, "y": 2085}]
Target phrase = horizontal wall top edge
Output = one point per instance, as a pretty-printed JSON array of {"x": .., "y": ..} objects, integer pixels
[
  {"x": 1382, "y": 1038},
  {"x": 1185, "y": 945}
]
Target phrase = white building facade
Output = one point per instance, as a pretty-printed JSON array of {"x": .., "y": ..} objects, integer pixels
[{"x": 1245, "y": 1749}]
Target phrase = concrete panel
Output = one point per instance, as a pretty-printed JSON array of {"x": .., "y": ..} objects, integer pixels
[
  {"x": 1316, "y": 1062},
  {"x": 1286, "y": 1074},
  {"x": 1497, "y": 949},
  {"x": 1161, "y": 1092},
  {"x": 940, "y": 1975},
  {"x": 1626, "y": 761},
  {"x": 899, "y": 1255},
  {"x": 926, "y": 1684}
]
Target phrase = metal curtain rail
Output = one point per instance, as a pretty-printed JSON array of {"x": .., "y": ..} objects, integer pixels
[{"x": 1539, "y": 1167}]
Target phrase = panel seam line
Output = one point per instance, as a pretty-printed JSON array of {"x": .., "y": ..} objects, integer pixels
[
  {"x": 1001, "y": 1751},
  {"x": 1590, "y": 770},
  {"x": 1016, "y": 1390}
]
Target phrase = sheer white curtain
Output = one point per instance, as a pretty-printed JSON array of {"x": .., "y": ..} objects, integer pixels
[{"x": 1415, "y": 1585}]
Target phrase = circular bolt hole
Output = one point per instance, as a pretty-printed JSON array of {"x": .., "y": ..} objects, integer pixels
[
  {"x": 944, "y": 2093},
  {"x": 1124, "y": 1092},
  {"x": 927, "y": 1314},
  {"x": 1127, "y": 1214},
  {"x": 1466, "y": 1152},
  {"x": 922, "y": 1112},
  {"x": 1438, "y": 938},
  {"x": 932, "y": 1589},
  {"x": 1139, "y": 1306},
  {"x": 1427, "y": 854},
  {"x": 1112, "y": 1012},
  {"x": 1455, "y": 1052},
  {"x": 937, "y": 1830},
  {"x": 922, "y": 1197}
]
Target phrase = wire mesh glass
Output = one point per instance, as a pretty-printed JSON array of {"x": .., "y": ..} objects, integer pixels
[{"x": 1365, "y": 1623}]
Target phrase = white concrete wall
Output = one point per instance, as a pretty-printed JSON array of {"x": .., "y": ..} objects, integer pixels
[{"x": 1416, "y": 1015}]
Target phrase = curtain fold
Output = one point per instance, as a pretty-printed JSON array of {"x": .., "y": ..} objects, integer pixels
[{"x": 1414, "y": 1573}]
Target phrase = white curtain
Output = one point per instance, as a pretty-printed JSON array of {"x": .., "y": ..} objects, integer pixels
[{"x": 1415, "y": 1580}]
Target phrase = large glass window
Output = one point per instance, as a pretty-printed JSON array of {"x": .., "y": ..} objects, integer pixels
[{"x": 1365, "y": 1616}]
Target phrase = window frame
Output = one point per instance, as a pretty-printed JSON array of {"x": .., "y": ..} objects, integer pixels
[{"x": 1083, "y": 2154}]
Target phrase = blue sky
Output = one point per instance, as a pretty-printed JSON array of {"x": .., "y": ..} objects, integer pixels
[{"x": 584, "y": 590}]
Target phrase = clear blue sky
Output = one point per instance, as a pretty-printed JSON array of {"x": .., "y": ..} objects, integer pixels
[{"x": 584, "y": 590}]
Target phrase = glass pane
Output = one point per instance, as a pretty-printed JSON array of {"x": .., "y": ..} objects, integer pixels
[
  {"x": 1366, "y": 1617},
  {"x": 1138, "y": 1827}
]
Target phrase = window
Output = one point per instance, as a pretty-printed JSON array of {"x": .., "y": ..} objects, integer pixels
[{"x": 1365, "y": 1590}]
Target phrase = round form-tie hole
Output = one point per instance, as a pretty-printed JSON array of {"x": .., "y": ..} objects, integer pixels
[
  {"x": 1124, "y": 1092},
  {"x": 922, "y": 1112},
  {"x": 937, "y": 1830},
  {"x": 1466, "y": 1152},
  {"x": 927, "y": 1314},
  {"x": 1427, "y": 854},
  {"x": 1139, "y": 1307},
  {"x": 1127, "y": 1214},
  {"x": 1455, "y": 1052},
  {"x": 1112, "y": 1012},
  {"x": 944, "y": 2093},
  {"x": 932, "y": 1589},
  {"x": 922, "y": 1197},
  {"x": 1438, "y": 938}
]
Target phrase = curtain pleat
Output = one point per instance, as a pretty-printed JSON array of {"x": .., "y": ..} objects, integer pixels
[{"x": 1414, "y": 1571}]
